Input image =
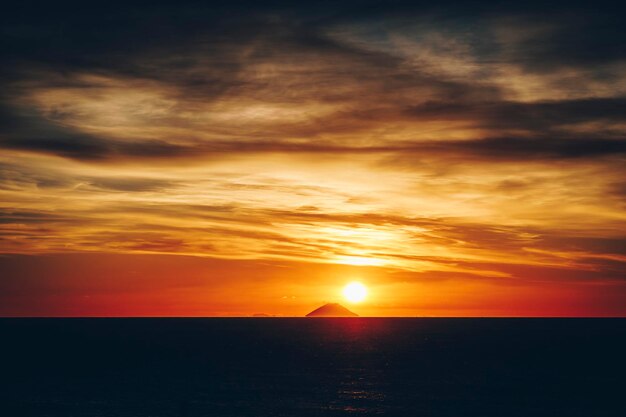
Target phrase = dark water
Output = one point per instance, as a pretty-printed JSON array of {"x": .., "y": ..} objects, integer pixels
[{"x": 312, "y": 367}]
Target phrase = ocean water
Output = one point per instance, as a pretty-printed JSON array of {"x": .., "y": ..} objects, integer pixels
[{"x": 312, "y": 367}]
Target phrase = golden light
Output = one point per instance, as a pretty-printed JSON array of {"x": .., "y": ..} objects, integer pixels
[
  {"x": 359, "y": 261},
  {"x": 355, "y": 292}
]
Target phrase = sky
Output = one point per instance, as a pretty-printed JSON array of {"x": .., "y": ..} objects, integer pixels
[{"x": 238, "y": 158}]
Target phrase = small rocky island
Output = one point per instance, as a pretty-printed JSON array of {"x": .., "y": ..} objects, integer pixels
[{"x": 332, "y": 310}]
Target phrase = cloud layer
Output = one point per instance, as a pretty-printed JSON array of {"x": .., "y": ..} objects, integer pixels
[{"x": 434, "y": 141}]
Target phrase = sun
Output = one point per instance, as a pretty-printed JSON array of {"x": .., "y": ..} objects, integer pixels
[{"x": 355, "y": 292}]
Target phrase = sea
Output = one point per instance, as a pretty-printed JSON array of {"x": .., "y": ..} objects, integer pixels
[{"x": 300, "y": 367}]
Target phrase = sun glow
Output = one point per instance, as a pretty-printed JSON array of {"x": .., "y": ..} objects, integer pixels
[
  {"x": 359, "y": 261},
  {"x": 355, "y": 292}
]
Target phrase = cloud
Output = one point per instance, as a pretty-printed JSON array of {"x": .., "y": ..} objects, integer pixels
[
  {"x": 273, "y": 79},
  {"x": 440, "y": 141},
  {"x": 523, "y": 148},
  {"x": 131, "y": 184},
  {"x": 538, "y": 117}
]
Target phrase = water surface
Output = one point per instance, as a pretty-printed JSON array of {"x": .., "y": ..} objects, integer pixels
[{"x": 312, "y": 367}]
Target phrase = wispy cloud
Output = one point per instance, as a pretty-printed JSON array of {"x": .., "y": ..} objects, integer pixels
[{"x": 437, "y": 141}]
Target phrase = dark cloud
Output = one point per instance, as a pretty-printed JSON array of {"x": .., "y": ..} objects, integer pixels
[
  {"x": 584, "y": 37},
  {"x": 38, "y": 134},
  {"x": 131, "y": 184},
  {"x": 494, "y": 149},
  {"x": 90, "y": 148},
  {"x": 203, "y": 52},
  {"x": 525, "y": 148},
  {"x": 77, "y": 147},
  {"x": 538, "y": 117},
  {"x": 10, "y": 216}
]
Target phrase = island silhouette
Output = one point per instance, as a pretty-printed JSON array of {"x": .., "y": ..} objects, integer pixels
[{"x": 332, "y": 310}]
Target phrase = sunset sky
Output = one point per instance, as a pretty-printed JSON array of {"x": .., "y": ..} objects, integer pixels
[{"x": 237, "y": 158}]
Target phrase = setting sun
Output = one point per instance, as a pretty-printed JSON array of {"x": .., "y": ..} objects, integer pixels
[{"x": 355, "y": 292}]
